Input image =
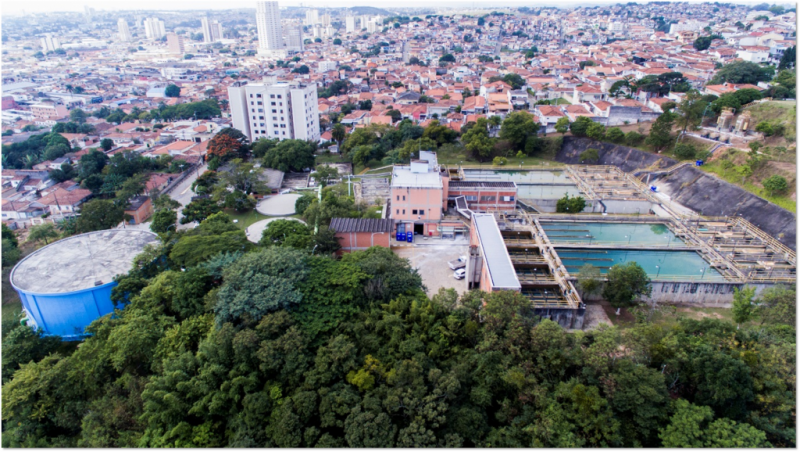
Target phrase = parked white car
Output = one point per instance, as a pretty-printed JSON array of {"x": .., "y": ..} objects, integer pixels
[
  {"x": 460, "y": 273},
  {"x": 455, "y": 264}
]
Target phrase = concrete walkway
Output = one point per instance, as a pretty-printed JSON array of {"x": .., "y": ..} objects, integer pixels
[
  {"x": 278, "y": 205},
  {"x": 255, "y": 230}
]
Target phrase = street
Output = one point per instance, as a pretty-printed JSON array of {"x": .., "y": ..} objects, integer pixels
[{"x": 183, "y": 193}]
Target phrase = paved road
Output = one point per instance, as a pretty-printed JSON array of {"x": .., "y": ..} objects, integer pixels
[{"x": 183, "y": 194}]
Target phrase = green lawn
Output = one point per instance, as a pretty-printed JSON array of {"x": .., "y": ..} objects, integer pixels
[
  {"x": 670, "y": 315},
  {"x": 245, "y": 218},
  {"x": 330, "y": 158}
]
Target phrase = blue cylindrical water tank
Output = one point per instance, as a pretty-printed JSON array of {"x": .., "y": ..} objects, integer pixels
[{"x": 67, "y": 285}]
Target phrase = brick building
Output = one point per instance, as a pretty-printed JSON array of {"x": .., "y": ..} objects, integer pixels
[{"x": 356, "y": 234}]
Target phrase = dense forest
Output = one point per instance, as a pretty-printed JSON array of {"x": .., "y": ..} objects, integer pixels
[{"x": 226, "y": 343}]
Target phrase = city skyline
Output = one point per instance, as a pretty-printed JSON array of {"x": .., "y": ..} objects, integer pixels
[{"x": 40, "y": 6}]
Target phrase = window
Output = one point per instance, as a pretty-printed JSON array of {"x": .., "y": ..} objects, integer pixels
[
  {"x": 471, "y": 198},
  {"x": 260, "y": 117},
  {"x": 414, "y": 212},
  {"x": 404, "y": 197},
  {"x": 272, "y": 103},
  {"x": 398, "y": 211},
  {"x": 251, "y": 95},
  {"x": 274, "y": 110},
  {"x": 261, "y": 110},
  {"x": 404, "y": 211},
  {"x": 508, "y": 198},
  {"x": 279, "y": 96},
  {"x": 258, "y": 96},
  {"x": 260, "y": 103},
  {"x": 398, "y": 197},
  {"x": 274, "y": 118},
  {"x": 272, "y": 96},
  {"x": 487, "y": 198},
  {"x": 251, "y": 103}
]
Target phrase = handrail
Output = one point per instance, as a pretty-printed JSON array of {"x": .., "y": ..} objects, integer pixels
[{"x": 771, "y": 241}]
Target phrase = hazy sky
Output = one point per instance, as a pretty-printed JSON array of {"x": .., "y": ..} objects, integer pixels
[{"x": 15, "y": 7}]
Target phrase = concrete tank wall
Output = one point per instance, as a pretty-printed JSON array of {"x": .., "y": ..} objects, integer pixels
[
  {"x": 700, "y": 293},
  {"x": 567, "y": 318},
  {"x": 68, "y": 314}
]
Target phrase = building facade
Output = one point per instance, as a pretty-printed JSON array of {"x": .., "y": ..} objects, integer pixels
[
  {"x": 175, "y": 44},
  {"x": 49, "y": 43},
  {"x": 268, "y": 23},
  {"x": 275, "y": 110},
  {"x": 294, "y": 37},
  {"x": 124, "y": 31},
  {"x": 357, "y": 234},
  {"x": 212, "y": 30},
  {"x": 154, "y": 28}
]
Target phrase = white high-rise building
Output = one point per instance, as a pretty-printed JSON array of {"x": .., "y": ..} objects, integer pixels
[
  {"x": 350, "y": 24},
  {"x": 325, "y": 19},
  {"x": 372, "y": 26},
  {"x": 283, "y": 110},
  {"x": 49, "y": 43},
  {"x": 294, "y": 37},
  {"x": 363, "y": 20},
  {"x": 312, "y": 17},
  {"x": 154, "y": 28},
  {"x": 124, "y": 31},
  {"x": 212, "y": 30},
  {"x": 268, "y": 22}
]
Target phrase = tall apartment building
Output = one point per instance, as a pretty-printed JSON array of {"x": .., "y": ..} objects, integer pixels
[
  {"x": 212, "y": 30},
  {"x": 154, "y": 28},
  {"x": 268, "y": 23},
  {"x": 175, "y": 44},
  {"x": 283, "y": 110},
  {"x": 312, "y": 17},
  {"x": 49, "y": 43},
  {"x": 350, "y": 24},
  {"x": 124, "y": 31},
  {"x": 325, "y": 20},
  {"x": 294, "y": 37}
]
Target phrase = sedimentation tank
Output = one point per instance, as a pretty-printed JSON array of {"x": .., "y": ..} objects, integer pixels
[{"x": 67, "y": 285}]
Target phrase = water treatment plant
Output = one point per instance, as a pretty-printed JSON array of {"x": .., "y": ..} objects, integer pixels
[
  {"x": 67, "y": 285},
  {"x": 518, "y": 242}
]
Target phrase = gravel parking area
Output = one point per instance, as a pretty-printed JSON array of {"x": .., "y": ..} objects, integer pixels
[{"x": 431, "y": 262}]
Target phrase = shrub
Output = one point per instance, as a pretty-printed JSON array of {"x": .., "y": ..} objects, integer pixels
[
  {"x": 633, "y": 138},
  {"x": 765, "y": 128},
  {"x": 499, "y": 161},
  {"x": 685, "y": 151},
  {"x": 569, "y": 204},
  {"x": 775, "y": 184},
  {"x": 615, "y": 135},
  {"x": 589, "y": 155}
]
